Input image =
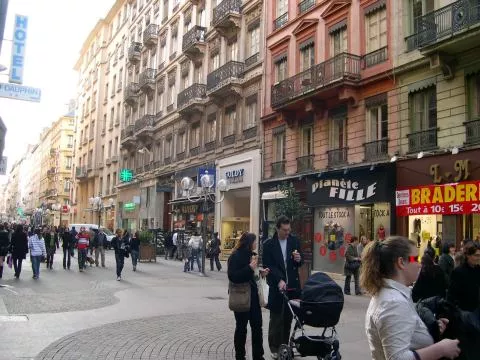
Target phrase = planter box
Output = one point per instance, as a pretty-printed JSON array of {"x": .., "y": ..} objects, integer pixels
[{"x": 147, "y": 253}]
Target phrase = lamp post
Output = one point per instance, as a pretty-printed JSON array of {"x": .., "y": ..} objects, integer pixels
[
  {"x": 97, "y": 205},
  {"x": 206, "y": 195}
]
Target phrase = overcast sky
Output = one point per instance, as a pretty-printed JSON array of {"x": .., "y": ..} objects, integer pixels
[{"x": 56, "y": 32}]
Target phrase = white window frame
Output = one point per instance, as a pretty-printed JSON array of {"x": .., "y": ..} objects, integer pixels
[
  {"x": 377, "y": 123},
  {"x": 422, "y": 110},
  {"x": 305, "y": 143},
  {"x": 337, "y": 134},
  {"x": 279, "y": 146},
  {"x": 376, "y": 30}
]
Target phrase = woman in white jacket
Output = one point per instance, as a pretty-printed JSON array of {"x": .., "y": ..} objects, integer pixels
[{"x": 36, "y": 244}]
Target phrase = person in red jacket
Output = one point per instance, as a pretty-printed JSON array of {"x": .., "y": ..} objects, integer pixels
[{"x": 83, "y": 242}]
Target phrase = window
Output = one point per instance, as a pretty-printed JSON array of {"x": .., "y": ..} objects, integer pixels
[
  {"x": 119, "y": 110},
  {"x": 185, "y": 81},
  {"x": 168, "y": 147},
  {"x": 253, "y": 41},
  {"x": 473, "y": 92},
  {"x": 120, "y": 78},
  {"x": 337, "y": 133},
  {"x": 104, "y": 124},
  {"x": 376, "y": 30},
  {"x": 338, "y": 41},
  {"x": 163, "y": 53},
  {"x": 70, "y": 141},
  {"x": 100, "y": 185},
  {"x": 165, "y": 9},
  {"x": 214, "y": 62},
  {"x": 110, "y": 149},
  {"x": 115, "y": 149},
  {"x": 160, "y": 102},
  {"x": 102, "y": 154},
  {"x": 417, "y": 9},
  {"x": 251, "y": 112},
  {"x": 281, "y": 68},
  {"x": 108, "y": 184},
  {"x": 106, "y": 92},
  {"x": 306, "y": 140},
  {"x": 282, "y": 7},
  {"x": 232, "y": 51},
  {"x": 112, "y": 115},
  {"x": 195, "y": 135},
  {"x": 153, "y": 59},
  {"x": 198, "y": 74},
  {"x": 68, "y": 162},
  {"x": 171, "y": 94},
  {"x": 173, "y": 43},
  {"x": 307, "y": 55},
  {"x": 229, "y": 120},
  {"x": 279, "y": 140},
  {"x": 114, "y": 181},
  {"x": 201, "y": 20},
  {"x": 423, "y": 107},
  {"x": 114, "y": 84},
  {"x": 377, "y": 122},
  {"x": 67, "y": 184},
  {"x": 181, "y": 142},
  {"x": 211, "y": 128}
]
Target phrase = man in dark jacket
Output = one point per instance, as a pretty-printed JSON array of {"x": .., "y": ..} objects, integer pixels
[
  {"x": 282, "y": 255},
  {"x": 4, "y": 247},
  {"x": 68, "y": 243},
  {"x": 98, "y": 244}
]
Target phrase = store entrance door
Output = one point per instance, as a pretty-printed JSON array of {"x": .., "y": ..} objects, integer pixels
[{"x": 449, "y": 228}]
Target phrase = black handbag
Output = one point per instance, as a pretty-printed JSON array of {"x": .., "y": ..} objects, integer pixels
[
  {"x": 239, "y": 297},
  {"x": 353, "y": 265}
]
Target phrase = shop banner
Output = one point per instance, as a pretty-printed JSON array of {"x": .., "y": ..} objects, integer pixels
[{"x": 445, "y": 199}]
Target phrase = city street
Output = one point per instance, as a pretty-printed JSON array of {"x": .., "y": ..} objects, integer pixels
[{"x": 158, "y": 312}]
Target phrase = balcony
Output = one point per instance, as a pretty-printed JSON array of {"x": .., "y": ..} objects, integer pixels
[
  {"x": 340, "y": 71},
  {"x": 127, "y": 136},
  {"x": 167, "y": 160},
  {"x": 181, "y": 156},
  {"x": 130, "y": 95},
  {"x": 252, "y": 60},
  {"x": 375, "y": 57},
  {"x": 139, "y": 170},
  {"x": 280, "y": 21},
  {"x": 305, "y": 163},
  {"x": 81, "y": 172},
  {"x": 447, "y": 28},
  {"x": 229, "y": 140},
  {"x": 150, "y": 36},
  {"x": 305, "y": 5},
  {"x": 144, "y": 127},
  {"x": 278, "y": 168},
  {"x": 108, "y": 161},
  {"x": 192, "y": 99},
  {"x": 337, "y": 157},
  {"x": 422, "y": 140},
  {"x": 51, "y": 193},
  {"x": 226, "y": 17},
  {"x": 376, "y": 150},
  {"x": 89, "y": 167},
  {"x": 209, "y": 146},
  {"x": 250, "y": 133},
  {"x": 195, "y": 151},
  {"x": 472, "y": 130},
  {"x": 114, "y": 158},
  {"x": 148, "y": 167},
  {"x": 146, "y": 81},
  {"x": 99, "y": 165},
  {"x": 134, "y": 52},
  {"x": 193, "y": 43},
  {"x": 226, "y": 80}
]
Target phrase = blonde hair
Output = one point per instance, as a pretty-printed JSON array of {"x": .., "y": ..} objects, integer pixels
[{"x": 378, "y": 261}]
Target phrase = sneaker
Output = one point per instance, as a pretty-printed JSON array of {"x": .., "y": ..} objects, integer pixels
[
  {"x": 81, "y": 270},
  {"x": 119, "y": 278}
]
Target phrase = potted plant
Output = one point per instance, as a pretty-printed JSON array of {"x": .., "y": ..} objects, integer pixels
[{"x": 147, "y": 246}]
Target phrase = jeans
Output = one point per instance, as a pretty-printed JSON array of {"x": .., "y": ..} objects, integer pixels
[
  {"x": 17, "y": 265},
  {"x": 348, "y": 279},
  {"x": 50, "y": 254},
  {"x": 82, "y": 257},
  {"x": 66, "y": 255},
  {"x": 217, "y": 262},
  {"x": 279, "y": 328},
  {"x": 195, "y": 255},
  {"x": 134, "y": 254},
  {"x": 100, "y": 250},
  {"x": 119, "y": 259},
  {"x": 240, "y": 337},
  {"x": 36, "y": 264}
]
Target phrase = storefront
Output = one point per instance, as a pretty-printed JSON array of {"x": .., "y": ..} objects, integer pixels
[
  {"x": 238, "y": 212},
  {"x": 439, "y": 197},
  {"x": 128, "y": 206},
  {"x": 154, "y": 199},
  {"x": 347, "y": 203}
]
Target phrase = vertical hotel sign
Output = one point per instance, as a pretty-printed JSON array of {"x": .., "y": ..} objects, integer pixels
[{"x": 18, "y": 49}]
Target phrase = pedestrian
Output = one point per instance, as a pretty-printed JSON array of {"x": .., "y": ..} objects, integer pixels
[
  {"x": 394, "y": 329},
  {"x": 464, "y": 290},
  {"x": 195, "y": 243},
  {"x": 282, "y": 255},
  {"x": 168, "y": 245},
  {"x": 242, "y": 264},
  {"x": 83, "y": 242},
  {"x": 135, "y": 249},
  {"x": 4, "y": 246},
  {"x": 38, "y": 252},
  {"x": 19, "y": 249},
  {"x": 215, "y": 252},
  {"x": 174, "y": 245},
  {"x": 447, "y": 260},
  {"x": 119, "y": 245},
  {"x": 99, "y": 242},
  {"x": 51, "y": 243},
  {"x": 430, "y": 282},
  {"x": 352, "y": 267},
  {"x": 68, "y": 243}
]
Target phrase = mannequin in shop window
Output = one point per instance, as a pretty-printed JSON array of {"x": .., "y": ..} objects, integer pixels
[{"x": 381, "y": 233}]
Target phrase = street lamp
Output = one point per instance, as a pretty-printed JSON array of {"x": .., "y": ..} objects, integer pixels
[
  {"x": 97, "y": 205},
  {"x": 206, "y": 194}
]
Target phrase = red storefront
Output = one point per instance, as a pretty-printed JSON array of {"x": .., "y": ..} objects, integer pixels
[{"x": 439, "y": 196}]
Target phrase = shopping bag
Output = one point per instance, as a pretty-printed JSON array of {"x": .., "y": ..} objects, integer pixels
[
  {"x": 9, "y": 261},
  {"x": 263, "y": 289}
]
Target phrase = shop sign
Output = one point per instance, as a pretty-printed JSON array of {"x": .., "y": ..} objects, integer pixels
[
  {"x": 235, "y": 176},
  {"x": 129, "y": 206},
  {"x": 188, "y": 209},
  {"x": 204, "y": 171},
  {"x": 459, "y": 171},
  {"x": 126, "y": 175},
  {"x": 446, "y": 199}
]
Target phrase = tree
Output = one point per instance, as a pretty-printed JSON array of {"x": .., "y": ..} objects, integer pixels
[{"x": 290, "y": 206}]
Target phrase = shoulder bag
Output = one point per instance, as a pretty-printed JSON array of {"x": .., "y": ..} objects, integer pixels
[{"x": 239, "y": 296}]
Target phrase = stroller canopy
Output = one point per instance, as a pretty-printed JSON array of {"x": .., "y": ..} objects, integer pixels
[{"x": 321, "y": 288}]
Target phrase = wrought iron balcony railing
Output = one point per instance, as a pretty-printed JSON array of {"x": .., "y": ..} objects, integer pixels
[
  {"x": 196, "y": 91},
  {"x": 231, "y": 70},
  {"x": 422, "y": 140},
  {"x": 444, "y": 23},
  {"x": 305, "y": 163},
  {"x": 194, "y": 36},
  {"x": 131, "y": 92},
  {"x": 209, "y": 146},
  {"x": 343, "y": 66},
  {"x": 150, "y": 35},
  {"x": 134, "y": 51},
  {"x": 376, "y": 150},
  {"x": 252, "y": 60},
  {"x": 250, "y": 133},
  {"x": 375, "y": 57},
  {"x": 229, "y": 139},
  {"x": 127, "y": 132},
  {"x": 337, "y": 157},
  {"x": 278, "y": 168},
  {"x": 147, "y": 78},
  {"x": 280, "y": 21},
  {"x": 472, "y": 129},
  {"x": 305, "y": 5},
  {"x": 225, "y": 8},
  {"x": 145, "y": 122}
]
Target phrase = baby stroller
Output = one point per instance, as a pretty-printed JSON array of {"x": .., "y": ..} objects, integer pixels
[{"x": 320, "y": 306}]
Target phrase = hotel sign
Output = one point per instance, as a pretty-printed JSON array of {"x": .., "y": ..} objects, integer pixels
[{"x": 18, "y": 49}]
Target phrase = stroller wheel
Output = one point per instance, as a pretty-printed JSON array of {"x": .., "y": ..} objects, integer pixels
[{"x": 285, "y": 352}]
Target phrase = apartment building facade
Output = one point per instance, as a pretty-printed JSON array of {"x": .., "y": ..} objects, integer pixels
[
  {"x": 192, "y": 94},
  {"x": 99, "y": 113}
]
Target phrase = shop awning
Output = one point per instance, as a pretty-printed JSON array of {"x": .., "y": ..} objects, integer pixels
[{"x": 273, "y": 195}]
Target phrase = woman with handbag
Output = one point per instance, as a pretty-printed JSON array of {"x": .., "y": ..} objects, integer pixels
[
  {"x": 241, "y": 273},
  {"x": 352, "y": 267}
]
